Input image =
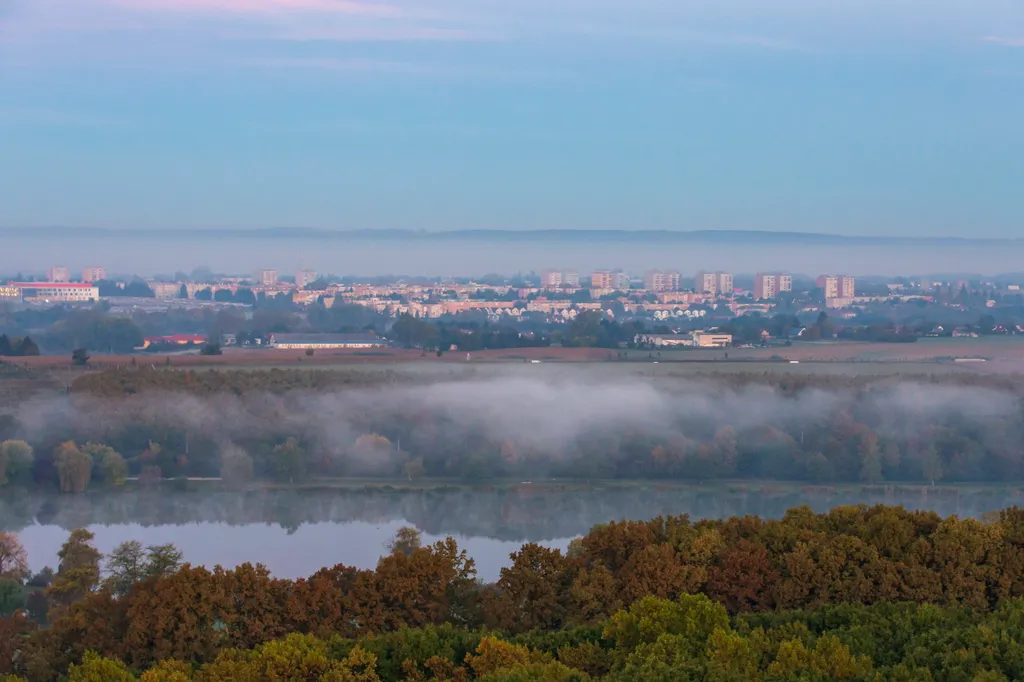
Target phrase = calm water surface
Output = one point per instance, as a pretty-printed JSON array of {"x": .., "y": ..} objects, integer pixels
[{"x": 294, "y": 533}]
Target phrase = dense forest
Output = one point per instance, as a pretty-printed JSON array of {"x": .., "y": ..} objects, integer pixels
[
  {"x": 858, "y": 593},
  {"x": 291, "y": 426}
]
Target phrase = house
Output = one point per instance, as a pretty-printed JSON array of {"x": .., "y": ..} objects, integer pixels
[
  {"x": 663, "y": 340},
  {"x": 173, "y": 340},
  {"x": 964, "y": 333},
  {"x": 325, "y": 341}
]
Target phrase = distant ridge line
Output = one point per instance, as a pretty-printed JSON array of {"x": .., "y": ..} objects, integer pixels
[{"x": 634, "y": 236}]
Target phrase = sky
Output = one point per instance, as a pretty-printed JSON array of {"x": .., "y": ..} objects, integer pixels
[{"x": 839, "y": 116}]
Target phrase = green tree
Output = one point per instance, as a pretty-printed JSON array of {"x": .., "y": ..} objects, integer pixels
[
  {"x": 15, "y": 462},
  {"x": 95, "y": 668},
  {"x": 870, "y": 459},
  {"x": 108, "y": 465},
  {"x": 27, "y": 348},
  {"x": 413, "y": 469},
  {"x": 80, "y": 357},
  {"x": 78, "y": 573},
  {"x": 162, "y": 560},
  {"x": 236, "y": 466},
  {"x": 289, "y": 461},
  {"x": 126, "y": 565}
]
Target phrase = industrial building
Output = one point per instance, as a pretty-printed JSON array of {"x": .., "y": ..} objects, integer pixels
[
  {"x": 326, "y": 341},
  {"x": 66, "y": 292}
]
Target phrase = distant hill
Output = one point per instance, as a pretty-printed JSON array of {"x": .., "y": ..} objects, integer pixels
[{"x": 730, "y": 237}]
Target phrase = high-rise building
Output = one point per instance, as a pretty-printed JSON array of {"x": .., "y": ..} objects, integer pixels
[
  {"x": 829, "y": 284},
  {"x": 714, "y": 283},
  {"x": 571, "y": 278},
  {"x": 765, "y": 286},
  {"x": 784, "y": 282},
  {"x": 551, "y": 279},
  {"x": 266, "y": 278},
  {"x": 705, "y": 283},
  {"x": 90, "y": 275},
  {"x": 303, "y": 278},
  {"x": 620, "y": 280},
  {"x": 660, "y": 280},
  {"x": 601, "y": 279},
  {"x": 836, "y": 286},
  {"x": 58, "y": 273},
  {"x": 723, "y": 280}
]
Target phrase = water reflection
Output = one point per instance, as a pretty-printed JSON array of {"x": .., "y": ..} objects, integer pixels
[{"x": 296, "y": 532}]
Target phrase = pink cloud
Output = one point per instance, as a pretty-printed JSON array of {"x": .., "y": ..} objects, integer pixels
[
  {"x": 1006, "y": 42},
  {"x": 381, "y": 34},
  {"x": 354, "y": 7}
]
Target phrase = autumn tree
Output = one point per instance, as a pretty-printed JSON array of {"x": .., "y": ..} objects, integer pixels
[
  {"x": 78, "y": 573},
  {"x": 406, "y": 541},
  {"x": 74, "y": 468},
  {"x": 13, "y": 558},
  {"x": 534, "y": 590}
]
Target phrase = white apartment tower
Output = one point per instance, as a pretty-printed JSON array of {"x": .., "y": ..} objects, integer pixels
[
  {"x": 660, "y": 280},
  {"x": 58, "y": 273},
  {"x": 551, "y": 279},
  {"x": 765, "y": 286}
]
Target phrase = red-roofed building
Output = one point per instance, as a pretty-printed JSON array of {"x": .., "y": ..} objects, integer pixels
[{"x": 173, "y": 340}]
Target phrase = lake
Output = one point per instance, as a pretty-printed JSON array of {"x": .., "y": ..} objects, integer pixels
[{"x": 296, "y": 532}]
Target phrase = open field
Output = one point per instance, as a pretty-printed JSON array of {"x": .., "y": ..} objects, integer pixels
[{"x": 928, "y": 356}]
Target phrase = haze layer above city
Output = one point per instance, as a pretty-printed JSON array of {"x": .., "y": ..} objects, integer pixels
[{"x": 464, "y": 255}]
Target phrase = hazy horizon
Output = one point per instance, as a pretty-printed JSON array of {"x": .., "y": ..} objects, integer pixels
[{"x": 167, "y": 253}]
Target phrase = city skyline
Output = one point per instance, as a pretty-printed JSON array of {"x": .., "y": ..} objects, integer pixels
[{"x": 445, "y": 114}]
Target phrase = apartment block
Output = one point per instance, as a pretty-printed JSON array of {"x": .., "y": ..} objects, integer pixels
[
  {"x": 58, "y": 273},
  {"x": 723, "y": 280},
  {"x": 714, "y": 283},
  {"x": 571, "y": 278},
  {"x": 266, "y": 278},
  {"x": 766, "y": 286},
  {"x": 836, "y": 286},
  {"x": 783, "y": 282},
  {"x": 661, "y": 280},
  {"x": 304, "y": 278},
  {"x": 551, "y": 279},
  {"x": 601, "y": 279},
  {"x": 705, "y": 283},
  {"x": 620, "y": 280},
  {"x": 90, "y": 275}
]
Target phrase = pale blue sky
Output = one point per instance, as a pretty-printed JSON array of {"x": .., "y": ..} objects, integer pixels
[{"x": 856, "y": 117}]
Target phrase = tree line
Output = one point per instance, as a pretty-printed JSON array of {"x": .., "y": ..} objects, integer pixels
[{"x": 858, "y": 593}]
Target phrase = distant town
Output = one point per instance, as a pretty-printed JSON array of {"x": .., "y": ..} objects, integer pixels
[{"x": 91, "y": 310}]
